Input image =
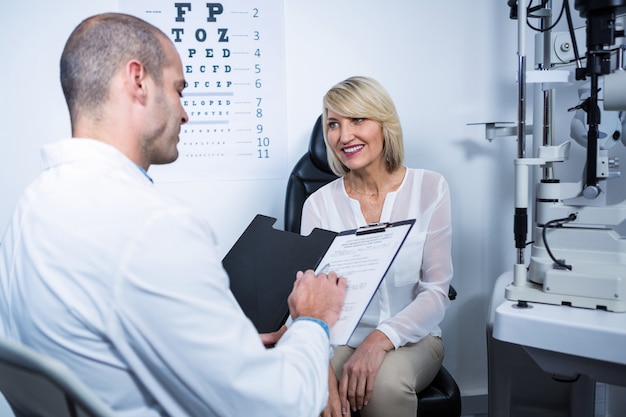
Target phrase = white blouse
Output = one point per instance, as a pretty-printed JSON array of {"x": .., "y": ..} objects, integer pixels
[{"x": 413, "y": 296}]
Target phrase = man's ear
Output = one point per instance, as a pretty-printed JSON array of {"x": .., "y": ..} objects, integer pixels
[{"x": 136, "y": 80}]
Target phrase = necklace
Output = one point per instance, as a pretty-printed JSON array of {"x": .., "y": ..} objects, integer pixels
[
  {"x": 376, "y": 193},
  {"x": 365, "y": 194}
]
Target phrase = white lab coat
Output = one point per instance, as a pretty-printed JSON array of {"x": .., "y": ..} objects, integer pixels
[{"x": 125, "y": 286}]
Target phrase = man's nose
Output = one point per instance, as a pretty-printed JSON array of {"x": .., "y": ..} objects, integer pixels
[{"x": 185, "y": 117}]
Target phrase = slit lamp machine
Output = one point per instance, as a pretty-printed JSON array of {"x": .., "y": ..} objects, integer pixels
[{"x": 577, "y": 258}]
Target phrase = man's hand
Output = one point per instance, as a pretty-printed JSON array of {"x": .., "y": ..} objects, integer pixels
[{"x": 319, "y": 297}]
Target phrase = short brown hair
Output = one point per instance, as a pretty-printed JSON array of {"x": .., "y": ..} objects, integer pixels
[{"x": 97, "y": 48}]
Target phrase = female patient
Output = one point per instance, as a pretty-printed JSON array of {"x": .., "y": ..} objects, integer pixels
[{"x": 396, "y": 350}]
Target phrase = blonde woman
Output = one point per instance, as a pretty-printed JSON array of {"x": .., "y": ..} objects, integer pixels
[{"x": 396, "y": 350}]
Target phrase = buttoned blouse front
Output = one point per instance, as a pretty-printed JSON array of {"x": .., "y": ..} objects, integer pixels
[{"x": 413, "y": 296}]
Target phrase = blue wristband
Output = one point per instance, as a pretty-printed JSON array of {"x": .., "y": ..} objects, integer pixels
[{"x": 318, "y": 321}]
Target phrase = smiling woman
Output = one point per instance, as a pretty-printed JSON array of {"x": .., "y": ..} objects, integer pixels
[{"x": 396, "y": 350}]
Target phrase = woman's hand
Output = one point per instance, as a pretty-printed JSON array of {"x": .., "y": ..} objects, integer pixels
[
  {"x": 270, "y": 339},
  {"x": 359, "y": 372}
]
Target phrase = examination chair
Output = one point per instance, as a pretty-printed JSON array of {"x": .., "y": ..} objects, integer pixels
[
  {"x": 38, "y": 386},
  {"x": 443, "y": 397}
]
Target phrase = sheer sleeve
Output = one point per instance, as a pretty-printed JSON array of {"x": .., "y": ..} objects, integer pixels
[
  {"x": 427, "y": 309},
  {"x": 310, "y": 217}
]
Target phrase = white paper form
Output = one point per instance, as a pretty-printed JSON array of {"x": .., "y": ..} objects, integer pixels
[{"x": 363, "y": 257}]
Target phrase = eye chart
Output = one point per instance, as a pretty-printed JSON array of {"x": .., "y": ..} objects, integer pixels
[{"x": 233, "y": 62}]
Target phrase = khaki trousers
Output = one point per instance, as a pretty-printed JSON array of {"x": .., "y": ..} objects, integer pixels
[{"x": 404, "y": 372}]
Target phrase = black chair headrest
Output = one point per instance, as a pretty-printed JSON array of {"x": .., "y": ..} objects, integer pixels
[{"x": 317, "y": 147}]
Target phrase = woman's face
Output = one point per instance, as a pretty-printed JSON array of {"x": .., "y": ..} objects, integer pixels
[{"x": 357, "y": 142}]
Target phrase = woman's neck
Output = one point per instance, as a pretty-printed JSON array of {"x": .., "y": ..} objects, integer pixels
[{"x": 373, "y": 184}]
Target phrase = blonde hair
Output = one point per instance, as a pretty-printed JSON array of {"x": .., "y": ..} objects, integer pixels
[{"x": 364, "y": 97}]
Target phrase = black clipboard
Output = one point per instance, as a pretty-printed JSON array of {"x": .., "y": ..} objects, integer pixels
[
  {"x": 263, "y": 262},
  {"x": 262, "y": 266}
]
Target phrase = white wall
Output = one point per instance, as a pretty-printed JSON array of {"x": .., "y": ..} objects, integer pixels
[{"x": 446, "y": 64}]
